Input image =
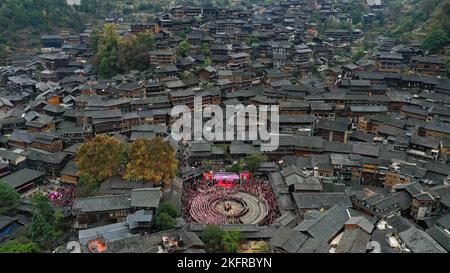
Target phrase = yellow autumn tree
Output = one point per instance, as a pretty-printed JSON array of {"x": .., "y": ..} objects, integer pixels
[
  {"x": 100, "y": 157},
  {"x": 151, "y": 160}
]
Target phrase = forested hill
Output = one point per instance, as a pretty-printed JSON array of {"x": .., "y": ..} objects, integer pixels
[
  {"x": 22, "y": 21},
  {"x": 423, "y": 21}
]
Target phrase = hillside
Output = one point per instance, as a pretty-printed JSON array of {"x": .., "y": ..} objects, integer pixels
[
  {"x": 426, "y": 22},
  {"x": 22, "y": 22}
]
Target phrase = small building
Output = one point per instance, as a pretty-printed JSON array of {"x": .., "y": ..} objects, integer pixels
[
  {"x": 388, "y": 62},
  {"x": 70, "y": 173},
  {"x": 162, "y": 57},
  {"x": 114, "y": 208},
  {"x": 23, "y": 180},
  {"x": 48, "y": 142},
  {"x": 332, "y": 130},
  {"x": 52, "y": 41},
  {"x": 208, "y": 73},
  {"x": 429, "y": 66}
]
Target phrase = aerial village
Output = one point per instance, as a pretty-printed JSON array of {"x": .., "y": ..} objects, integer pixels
[{"x": 362, "y": 165}]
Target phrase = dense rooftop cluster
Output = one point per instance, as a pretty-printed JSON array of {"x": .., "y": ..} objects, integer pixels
[{"x": 363, "y": 163}]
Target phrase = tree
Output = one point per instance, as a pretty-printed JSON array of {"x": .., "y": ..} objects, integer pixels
[
  {"x": 15, "y": 246},
  {"x": 205, "y": 49},
  {"x": 100, "y": 157},
  {"x": 435, "y": 40},
  {"x": 107, "y": 67},
  {"x": 251, "y": 40},
  {"x": 58, "y": 217},
  {"x": 212, "y": 237},
  {"x": 151, "y": 160},
  {"x": 163, "y": 221},
  {"x": 94, "y": 40},
  {"x": 9, "y": 198},
  {"x": 114, "y": 54},
  {"x": 206, "y": 62},
  {"x": 358, "y": 54},
  {"x": 183, "y": 48},
  {"x": 253, "y": 162},
  {"x": 146, "y": 40},
  {"x": 207, "y": 164},
  {"x": 42, "y": 206},
  {"x": 443, "y": 17},
  {"x": 236, "y": 167},
  {"x": 230, "y": 241},
  {"x": 169, "y": 208},
  {"x": 86, "y": 186},
  {"x": 42, "y": 229},
  {"x": 133, "y": 51},
  {"x": 106, "y": 43}
]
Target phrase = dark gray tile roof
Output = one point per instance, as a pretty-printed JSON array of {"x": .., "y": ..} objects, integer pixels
[
  {"x": 321, "y": 200},
  {"x": 314, "y": 245},
  {"x": 102, "y": 203},
  {"x": 419, "y": 241},
  {"x": 70, "y": 169},
  {"x": 287, "y": 239},
  {"x": 353, "y": 241},
  {"x": 146, "y": 197},
  {"x": 331, "y": 125},
  {"x": 21, "y": 177},
  {"x": 441, "y": 236},
  {"x": 108, "y": 233},
  {"x": 444, "y": 221},
  {"x": 327, "y": 225}
]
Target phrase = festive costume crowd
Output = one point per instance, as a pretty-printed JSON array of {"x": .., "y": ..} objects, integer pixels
[
  {"x": 201, "y": 201},
  {"x": 61, "y": 196}
]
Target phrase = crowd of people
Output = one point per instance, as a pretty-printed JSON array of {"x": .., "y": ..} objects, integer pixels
[
  {"x": 200, "y": 201},
  {"x": 61, "y": 196},
  {"x": 262, "y": 189}
]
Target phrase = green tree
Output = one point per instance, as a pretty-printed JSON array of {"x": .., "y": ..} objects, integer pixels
[
  {"x": 15, "y": 246},
  {"x": 435, "y": 40},
  {"x": 58, "y": 217},
  {"x": 168, "y": 208},
  {"x": 205, "y": 49},
  {"x": 42, "y": 229},
  {"x": 133, "y": 52},
  {"x": 163, "y": 221},
  {"x": 207, "y": 164},
  {"x": 443, "y": 17},
  {"x": 253, "y": 162},
  {"x": 230, "y": 241},
  {"x": 251, "y": 40},
  {"x": 86, "y": 186},
  {"x": 206, "y": 62},
  {"x": 9, "y": 198},
  {"x": 105, "y": 58},
  {"x": 212, "y": 237},
  {"x": 107, "y": 67},
  {"x": 94, "y": 40},
  {"x": 236, "y": 167},
  {"x": 183, "y": 48},
  {"x": 42, "y": 206},
  {"x": 358, "y": 54}
]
